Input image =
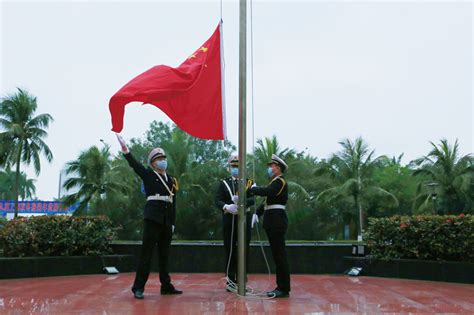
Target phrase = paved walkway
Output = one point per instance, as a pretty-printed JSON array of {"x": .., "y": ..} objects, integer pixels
[{"x": 205, "y": 294}]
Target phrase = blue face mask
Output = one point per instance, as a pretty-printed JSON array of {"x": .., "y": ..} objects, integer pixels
[
  {"x": 162, "y": 164},
  {"x": 270, "y": 172},
  {"x": 234, "y": 171}
]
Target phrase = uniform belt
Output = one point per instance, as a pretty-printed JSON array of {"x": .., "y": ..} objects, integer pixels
[
  {"x": 160, "y": 198},
  {"x": 271, "y": 207}
]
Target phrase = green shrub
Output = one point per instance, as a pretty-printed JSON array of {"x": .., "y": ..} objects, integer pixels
[
  {"x": 422, "y": 237},
  {"x": 3, "y": 222},
  {"x": 57, "y": 236}
]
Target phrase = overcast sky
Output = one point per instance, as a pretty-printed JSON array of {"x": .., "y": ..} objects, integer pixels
[{"x": 398, "y": 74}]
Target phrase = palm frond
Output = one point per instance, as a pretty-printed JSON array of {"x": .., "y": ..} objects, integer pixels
[{"x": 297, "y": 187}]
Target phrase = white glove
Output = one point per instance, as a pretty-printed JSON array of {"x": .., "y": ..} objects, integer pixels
[
  {"x": 122, "y": 143},
  {"x": 254, "y": 219},
  {"x": 172, "y": 229},
  {"x": 235, "y": 199},
  {"x": 232, "y": 209}
]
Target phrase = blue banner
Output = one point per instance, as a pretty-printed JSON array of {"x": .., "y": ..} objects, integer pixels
[{"x": 42, "y": 207}]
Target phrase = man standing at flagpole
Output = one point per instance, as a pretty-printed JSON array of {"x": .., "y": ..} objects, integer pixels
[
  {"x": 192, "y": 96},
  {"x": 275, "y": 222},
  {"x": 160, "y": 215},
  {"x": 226, "y": 200}
]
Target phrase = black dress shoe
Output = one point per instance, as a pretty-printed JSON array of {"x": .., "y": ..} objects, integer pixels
[
  {"x": 138, "y": 294},
  {"x": 278, "y": 294},
  {"x": 168, "y": 290}
]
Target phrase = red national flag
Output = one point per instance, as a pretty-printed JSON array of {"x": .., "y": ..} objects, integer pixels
[{"x": 191, "y": 94}]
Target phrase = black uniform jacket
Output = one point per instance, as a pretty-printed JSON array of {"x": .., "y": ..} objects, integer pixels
[
  {"x": 156, "y": 210},
  {"x": 223, "y": 197},
  {"x": 277, "y": 194}
]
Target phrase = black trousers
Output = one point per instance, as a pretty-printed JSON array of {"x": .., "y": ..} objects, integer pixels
[
  {"x": 276, "y": 237},
  {"x": 227, "y": 223},
  {"x": 153, "y": 234}
]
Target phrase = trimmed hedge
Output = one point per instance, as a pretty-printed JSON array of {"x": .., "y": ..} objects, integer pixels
[
  {"x": 422, "y": 237},
  {"x": 57, "y": 235}
]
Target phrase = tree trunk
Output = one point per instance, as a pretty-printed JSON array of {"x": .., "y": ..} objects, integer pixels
[
  {"x": 361, "y": 214},
  {"x": 17, "y": 180}
]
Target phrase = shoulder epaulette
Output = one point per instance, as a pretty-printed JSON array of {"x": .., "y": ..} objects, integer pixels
[
  {"x": 249, "y": 183},
  {"x": 175, "y": 184}
]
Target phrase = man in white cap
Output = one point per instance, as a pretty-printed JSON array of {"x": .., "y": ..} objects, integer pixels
[
  {"x": 275, "y": 222},
  {"x": 160, "y": 214},
  {"x": 226, "y": 200}
]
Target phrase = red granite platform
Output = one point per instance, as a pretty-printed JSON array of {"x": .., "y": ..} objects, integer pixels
[{"x": 204, "y": 294}]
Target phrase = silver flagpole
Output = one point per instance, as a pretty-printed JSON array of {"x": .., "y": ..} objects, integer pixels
[{"x": 242, "y": 272}]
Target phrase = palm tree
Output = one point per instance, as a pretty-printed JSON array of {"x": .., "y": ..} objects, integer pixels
[
  {"x": 179, "y": 149},
  {"x": 93, "y": 175},
  {"x": 268, "y": 146},
  {"x": 352, "y": 169},
  {"x": 395, "y": 161},
  {"x": 25, "y": 134},
  {"x": 5, "y": 141},
  {"x": 27, "y": 187},
  {"x": 177, "y": 144},
  {"x": 263, "y": 153},
  {"x": 450, "y": 175}
]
